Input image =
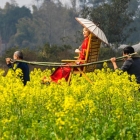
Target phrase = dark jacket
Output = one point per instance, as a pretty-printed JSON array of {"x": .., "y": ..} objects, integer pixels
[
  {"x": 25, "y": 70},
  {"x": 132, "y": 66}
]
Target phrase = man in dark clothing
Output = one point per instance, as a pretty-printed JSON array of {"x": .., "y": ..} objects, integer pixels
[
  {"x": 131, "y": 64},
  {"x": 23, "y": 66}
]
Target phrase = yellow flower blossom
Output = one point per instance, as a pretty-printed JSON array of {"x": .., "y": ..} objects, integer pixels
[{"x": 107, "y": 109}]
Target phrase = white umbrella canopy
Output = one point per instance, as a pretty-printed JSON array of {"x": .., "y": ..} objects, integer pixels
[{"x": 93, "y": 28}]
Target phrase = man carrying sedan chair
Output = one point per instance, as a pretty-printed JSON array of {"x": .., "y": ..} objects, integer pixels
[
  {"x": 131, "y": 64},
  {"x": 18, "y": 55}
]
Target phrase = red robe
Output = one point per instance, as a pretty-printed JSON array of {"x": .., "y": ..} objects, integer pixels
[{"x": 63, "y": 72}]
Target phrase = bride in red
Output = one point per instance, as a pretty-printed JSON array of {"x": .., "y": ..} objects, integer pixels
[{"x": 63, "y": 72}]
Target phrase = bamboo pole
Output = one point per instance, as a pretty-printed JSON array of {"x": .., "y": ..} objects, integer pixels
[{"x": 54, "y": 64}]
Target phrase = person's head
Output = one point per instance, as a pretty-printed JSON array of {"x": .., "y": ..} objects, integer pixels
[
  {"x": 86, "y": 32},
  {"x": 18, "y": 55},
  {"x": 128, "y": 50}
]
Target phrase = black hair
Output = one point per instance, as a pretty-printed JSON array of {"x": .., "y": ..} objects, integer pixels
[
  {"x": 19, "y": 54},
  {"x": 128, "y": 50}
]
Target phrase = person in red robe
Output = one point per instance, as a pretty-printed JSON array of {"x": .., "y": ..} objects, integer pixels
[{"x": 64, "y": 72}]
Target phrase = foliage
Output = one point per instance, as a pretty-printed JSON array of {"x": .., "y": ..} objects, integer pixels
[
  {"x": 9, "y": 18},
  {"x": 55, "y": 23},
  {"x": 50, "y": 23},
  {"x": 134, "y": 37},
  {"x": 113, "y": 18},
  {"x": 26, "y": 33},
  {"x": 117, "y": 18},
  {"x": 106, "y": 53},
  {"x": 55, "y": 53},
  {"x": 107, "y": 109}
]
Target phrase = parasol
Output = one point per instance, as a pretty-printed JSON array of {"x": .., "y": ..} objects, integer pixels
[{"x": 93, "y": 28}]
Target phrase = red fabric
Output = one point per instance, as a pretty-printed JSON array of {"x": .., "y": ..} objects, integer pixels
[
  {"x": 59, "y": 73},
  {"x": 83, "y": 48},
  {"x": 63, "y": 72}
]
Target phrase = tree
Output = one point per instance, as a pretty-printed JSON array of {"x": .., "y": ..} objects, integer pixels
[
  {"x": 38, "y": 3},
  {"x": 30, "y": 33},
  {"x": 51, "y": 23},
  {"x": 113, "y": 17},
  {"x": 91, "y": 3},
  {"x": 9, "y": 18},
  {"x": 74, "y": 4},
  {"x": 55, "y": 53},
  {"x": 13, "y": 2},
  {"x": 134, "y": 36}
]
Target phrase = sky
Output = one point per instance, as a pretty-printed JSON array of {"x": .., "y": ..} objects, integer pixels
[
  {"x": 20, "y": 2},
  {"x": 26, "y": 3}
]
